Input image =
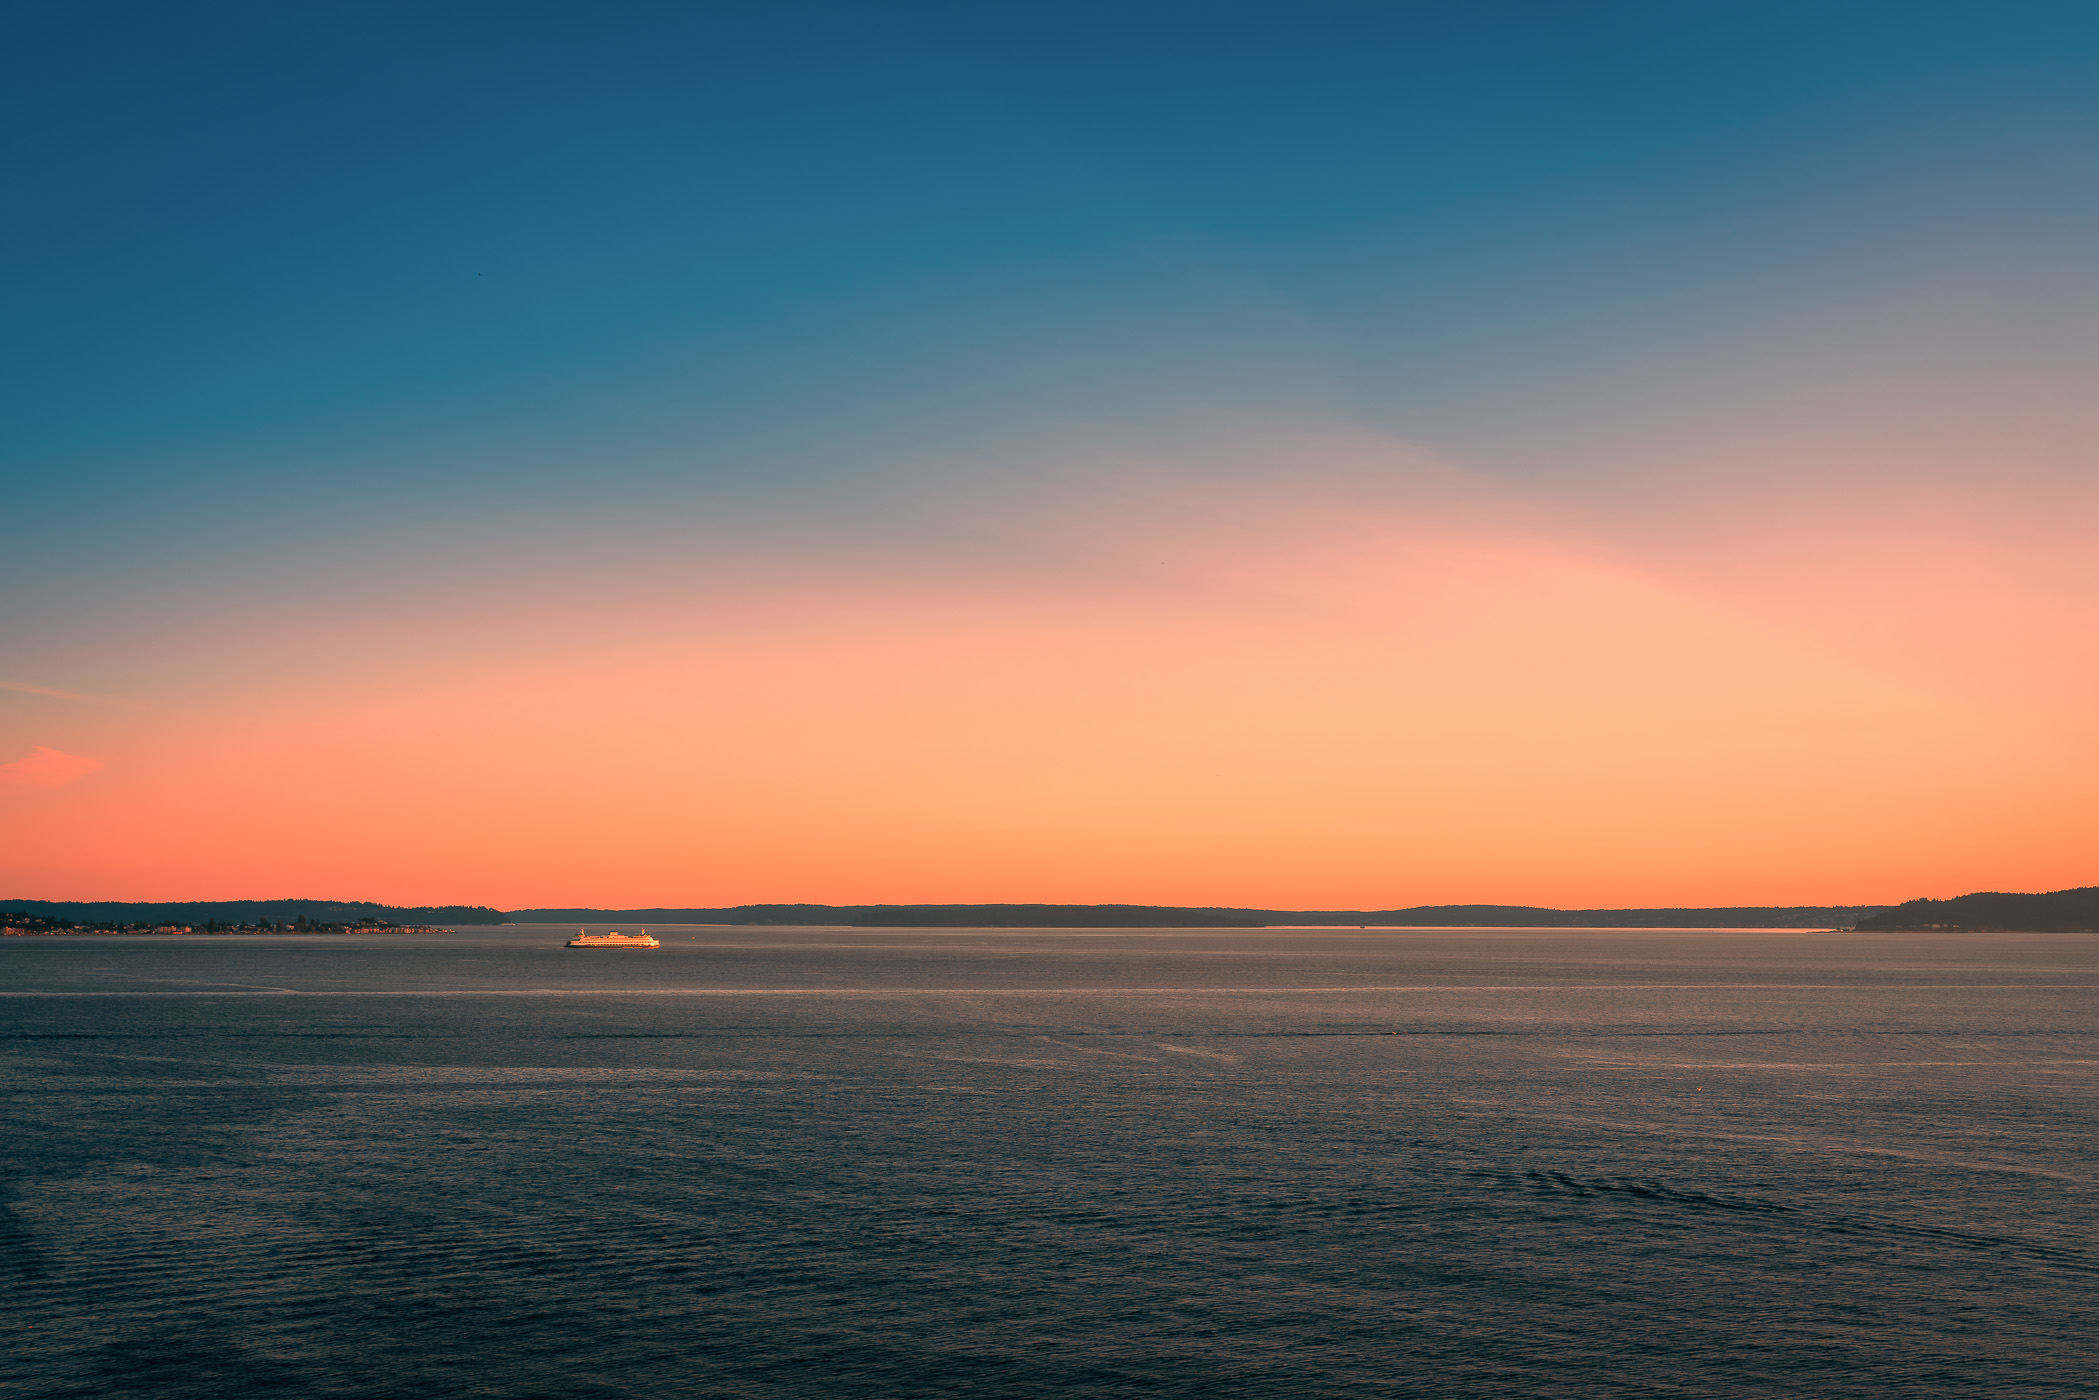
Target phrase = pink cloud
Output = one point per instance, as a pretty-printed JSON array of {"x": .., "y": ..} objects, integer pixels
[{"x": 46, "y": 768}]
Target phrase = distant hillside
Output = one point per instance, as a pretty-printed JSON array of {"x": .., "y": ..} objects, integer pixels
[
  {"x": 1158, "y": 916},
  {"x": 1526, "y": 916},
  {"x": 250, "y": 911},
  {"x": 913, "y": 916},
  {"x": 2064, "y": 911}
]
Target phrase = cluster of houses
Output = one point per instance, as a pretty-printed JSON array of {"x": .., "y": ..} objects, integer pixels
[{"x": 50, "y": 928}]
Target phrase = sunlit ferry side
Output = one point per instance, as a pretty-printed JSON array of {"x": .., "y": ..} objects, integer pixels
[{"x": 613, "y": 940}]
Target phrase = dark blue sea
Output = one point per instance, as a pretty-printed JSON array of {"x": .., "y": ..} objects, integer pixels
[{"x": 903, "y": 1163}]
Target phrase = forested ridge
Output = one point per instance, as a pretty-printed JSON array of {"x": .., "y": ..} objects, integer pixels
[{"x": 2063, "y": 911}]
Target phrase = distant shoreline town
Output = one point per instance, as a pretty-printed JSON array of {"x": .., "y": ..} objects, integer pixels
[
  {"x": 2062, "y": 911},
  {"x": 14, "y": 925}
]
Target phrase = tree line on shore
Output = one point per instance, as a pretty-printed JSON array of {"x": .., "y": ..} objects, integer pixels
[
  {"x": 16, "y": 924},
  {"x": 2063, "y": 911},
  {"x": 256, "y": 913}
]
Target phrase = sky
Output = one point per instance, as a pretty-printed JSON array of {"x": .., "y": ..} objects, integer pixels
[{"x": 1297, "y": 456}]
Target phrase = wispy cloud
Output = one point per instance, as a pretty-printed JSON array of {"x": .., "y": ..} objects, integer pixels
[
  {"x": 25, "y": 688},
  {"x": 47, "y": 768}
]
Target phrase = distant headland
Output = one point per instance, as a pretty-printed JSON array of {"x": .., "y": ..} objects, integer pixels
[
  {"x": 2064, "y": 911},
  {"x": 2060, "y": 911}
]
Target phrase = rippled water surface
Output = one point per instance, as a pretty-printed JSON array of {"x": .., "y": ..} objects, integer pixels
[{"x": 825, "y": 1162}]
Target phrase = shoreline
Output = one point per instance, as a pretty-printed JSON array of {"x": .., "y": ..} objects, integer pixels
[{"x": 205, "y": 933}]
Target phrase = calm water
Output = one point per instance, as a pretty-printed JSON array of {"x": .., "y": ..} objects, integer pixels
[{"x": 811, "y": 1162}]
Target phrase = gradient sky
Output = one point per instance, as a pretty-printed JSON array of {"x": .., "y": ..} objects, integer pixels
[{"x": 1298, "y": 456}]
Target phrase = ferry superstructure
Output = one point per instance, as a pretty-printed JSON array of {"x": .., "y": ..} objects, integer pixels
[{"x": 613, "y": 940}]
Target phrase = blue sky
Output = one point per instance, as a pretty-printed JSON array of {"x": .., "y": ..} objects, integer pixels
[{"x": 249, "y": 226}]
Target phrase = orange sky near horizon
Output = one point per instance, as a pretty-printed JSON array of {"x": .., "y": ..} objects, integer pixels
[{"x": 1351, "y": 676}]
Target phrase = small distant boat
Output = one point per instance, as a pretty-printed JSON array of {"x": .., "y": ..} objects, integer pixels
[{"x": 613, "y": 940}]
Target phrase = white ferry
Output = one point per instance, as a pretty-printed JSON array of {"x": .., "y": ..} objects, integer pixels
[{"x": 613, "y": 940}]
